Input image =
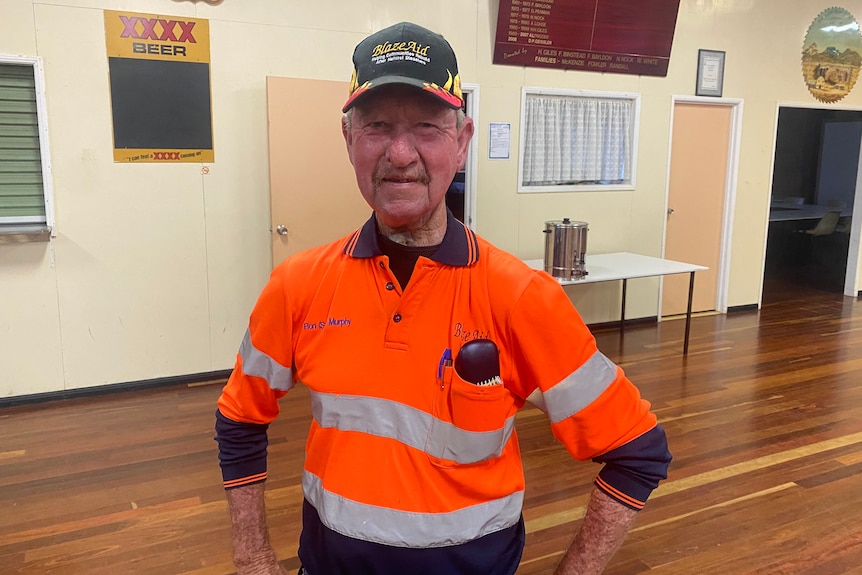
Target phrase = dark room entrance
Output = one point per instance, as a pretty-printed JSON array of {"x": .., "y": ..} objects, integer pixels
[{"x": 813, "y": 194}]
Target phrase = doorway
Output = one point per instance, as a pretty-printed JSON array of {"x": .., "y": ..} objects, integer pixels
[
  {"x": 461, "y": 196},
  {"x": 314, "y": 198},
  {"x": 814, "y": 194},
  {"x": 704, "y": 155}
]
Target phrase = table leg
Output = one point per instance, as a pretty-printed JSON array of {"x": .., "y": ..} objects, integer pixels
[
  {"x": 688, "y": 313},
  {"x": 623, "y": 308}
]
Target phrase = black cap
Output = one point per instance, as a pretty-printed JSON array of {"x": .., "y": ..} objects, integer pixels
[{"x": 409, "y": 54}]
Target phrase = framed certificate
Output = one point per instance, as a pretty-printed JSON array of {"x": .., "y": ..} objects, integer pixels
[{"x": 710, "y": 73}]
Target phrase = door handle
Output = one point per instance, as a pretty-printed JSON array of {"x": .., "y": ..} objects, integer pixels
[
  {"x": 281, "y": 230},
  {"x": 669, "y": 211}
]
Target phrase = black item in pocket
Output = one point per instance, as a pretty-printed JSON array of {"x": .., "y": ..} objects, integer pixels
[{"x": 478, "y": 362}]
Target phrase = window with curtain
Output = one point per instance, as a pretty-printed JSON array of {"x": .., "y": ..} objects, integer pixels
[
  {"x": 578, "y": 141},
  {"x": 23, "y": 206}
]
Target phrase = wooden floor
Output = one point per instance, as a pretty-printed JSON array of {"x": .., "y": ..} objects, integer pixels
[{"x": 764, "y": 419}]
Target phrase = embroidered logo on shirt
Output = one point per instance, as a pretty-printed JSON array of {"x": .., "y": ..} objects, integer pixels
[{"x": 465, "y": 334}]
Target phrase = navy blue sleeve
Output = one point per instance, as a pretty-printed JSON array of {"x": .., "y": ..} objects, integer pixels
[
  {"x": 633, "y": 470},
  {"x": 241, "y": 451}
]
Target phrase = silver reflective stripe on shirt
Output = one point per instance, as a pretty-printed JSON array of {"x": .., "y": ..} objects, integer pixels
[
  {"x": 410, "y": 426},
  {"x": 410, "y": 529},
  {"x": 258, "y": 364},
  {"x": 580, "y": 388}
]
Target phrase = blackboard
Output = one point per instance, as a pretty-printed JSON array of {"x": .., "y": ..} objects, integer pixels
[{"x": 161, "y": 104}]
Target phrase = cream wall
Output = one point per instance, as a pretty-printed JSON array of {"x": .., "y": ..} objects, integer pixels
[{"x": 155, "y": 268}]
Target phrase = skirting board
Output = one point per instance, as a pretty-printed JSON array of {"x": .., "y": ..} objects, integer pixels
[
  {"x": 114, "y": 388},
  {"x": 609, "y": 325}
]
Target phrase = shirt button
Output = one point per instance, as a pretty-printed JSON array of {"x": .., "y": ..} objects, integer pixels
[
  {"x": 381, "y": 265},
  {"x": 396, "y": 318},
  {"x": 390, "y": 286}
]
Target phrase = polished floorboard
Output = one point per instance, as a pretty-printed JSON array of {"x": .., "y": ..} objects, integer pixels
[{"x": 764, "y": 419}]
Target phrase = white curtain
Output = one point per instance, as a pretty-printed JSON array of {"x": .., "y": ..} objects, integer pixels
[{"x": 577, "y": 140}]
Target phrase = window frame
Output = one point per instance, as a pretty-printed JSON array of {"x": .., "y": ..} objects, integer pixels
[
  {"x": 635, "y": 98},
  {"x": 31, "y": 224}
]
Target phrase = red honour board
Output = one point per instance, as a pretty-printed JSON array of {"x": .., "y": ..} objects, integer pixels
[{"x": 620, "y": 36}]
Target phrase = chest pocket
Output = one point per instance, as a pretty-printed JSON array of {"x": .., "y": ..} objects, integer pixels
[{"x": 471, "y": 423}]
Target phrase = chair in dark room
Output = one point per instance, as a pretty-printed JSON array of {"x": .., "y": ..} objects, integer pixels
[
  {"x": 824, "y": 255},
  {"x": 826, "y": 225}
]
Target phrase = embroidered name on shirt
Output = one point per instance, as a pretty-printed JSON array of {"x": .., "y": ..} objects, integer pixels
[
  {"x": 321, "y": 325},
  {"x": 465, "y": 334}
]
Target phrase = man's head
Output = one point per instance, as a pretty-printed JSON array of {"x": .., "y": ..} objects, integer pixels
[{"x": 405, "y": 132}]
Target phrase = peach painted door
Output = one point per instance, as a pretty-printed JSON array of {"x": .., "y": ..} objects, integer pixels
[
  {"x": 313, "y": 194},
  {"x": 700, "y": 152}
]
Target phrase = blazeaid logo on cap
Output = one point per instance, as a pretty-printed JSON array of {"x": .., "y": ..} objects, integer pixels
[{"x": 381, "y": 50}]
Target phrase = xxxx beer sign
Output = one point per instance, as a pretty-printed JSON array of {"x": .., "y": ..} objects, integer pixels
[
  {"x": 153, "y": 37},
  {"x": 161, "y": 102}
]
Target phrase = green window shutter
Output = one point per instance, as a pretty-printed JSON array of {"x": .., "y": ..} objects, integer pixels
[{"x": 21, "y": 189}]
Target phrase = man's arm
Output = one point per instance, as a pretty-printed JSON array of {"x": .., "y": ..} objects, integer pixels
[
  {"x": 602, "y": 532},
  {"x": 630, "y": 474},
  {"x": 242, "y": 455},
  {"x": 252, "y": 551}
]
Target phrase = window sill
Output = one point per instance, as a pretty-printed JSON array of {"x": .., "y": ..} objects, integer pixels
[
  {"x": 24, "y": 233},
  {"x": 628, "y": 187}
]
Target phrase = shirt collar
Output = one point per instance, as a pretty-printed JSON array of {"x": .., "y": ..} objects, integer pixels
[{"x": 458, "y": 248}]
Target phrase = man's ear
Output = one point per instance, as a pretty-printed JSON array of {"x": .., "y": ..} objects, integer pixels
[
  {"x": 348, "y": 137},
  {"x": 464, "y": 137}
]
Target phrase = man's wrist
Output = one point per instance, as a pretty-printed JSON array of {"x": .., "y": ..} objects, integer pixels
[{"x": 263, "y": 562}]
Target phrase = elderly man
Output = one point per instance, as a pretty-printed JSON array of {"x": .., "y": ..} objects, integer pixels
[{"x": 419, "y": 342}]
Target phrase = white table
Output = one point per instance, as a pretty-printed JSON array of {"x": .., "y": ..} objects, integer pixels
[
  {"x": 625, "y": 266},
  {"x": 779, "y": 213}
]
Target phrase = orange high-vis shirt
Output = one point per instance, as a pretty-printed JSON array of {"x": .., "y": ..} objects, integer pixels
[{"x": 402, "y": 451}]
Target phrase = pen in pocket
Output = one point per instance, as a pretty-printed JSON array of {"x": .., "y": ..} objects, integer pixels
[{"x": 445, "y": 361}]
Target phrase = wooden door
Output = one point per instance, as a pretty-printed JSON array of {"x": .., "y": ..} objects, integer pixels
[
  {"x": 313, "y": 191},
  {"x": 700, "y": 152}
]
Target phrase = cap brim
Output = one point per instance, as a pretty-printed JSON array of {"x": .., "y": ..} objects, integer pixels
[{"x": 445, "y": 97}]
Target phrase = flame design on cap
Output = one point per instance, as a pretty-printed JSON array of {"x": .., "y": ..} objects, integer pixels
[
  {"x": 355, "y": 92},
  {"x": 450, "y": 91},
  {"x": 456, "y": 88}
]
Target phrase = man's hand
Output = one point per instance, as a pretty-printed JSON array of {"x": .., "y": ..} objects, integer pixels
[
  {"x": 603, "y": 530},
  {"x": 252, "y": 551}
]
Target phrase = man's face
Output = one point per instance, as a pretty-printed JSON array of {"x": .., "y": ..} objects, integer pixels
[{"x": 405, "y": 149}]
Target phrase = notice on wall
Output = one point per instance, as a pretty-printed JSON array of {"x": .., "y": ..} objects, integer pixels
[
  {"x": 498, "y": 140},
  {"x": 161, "y": 101},
  {"x": 619, "y": 36}
]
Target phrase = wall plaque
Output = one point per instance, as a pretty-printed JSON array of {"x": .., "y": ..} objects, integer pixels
[
  {"x": 832, "y": 54},
  {"x": 710, "y": 73},
  {"x": 621, "y": 36}
]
